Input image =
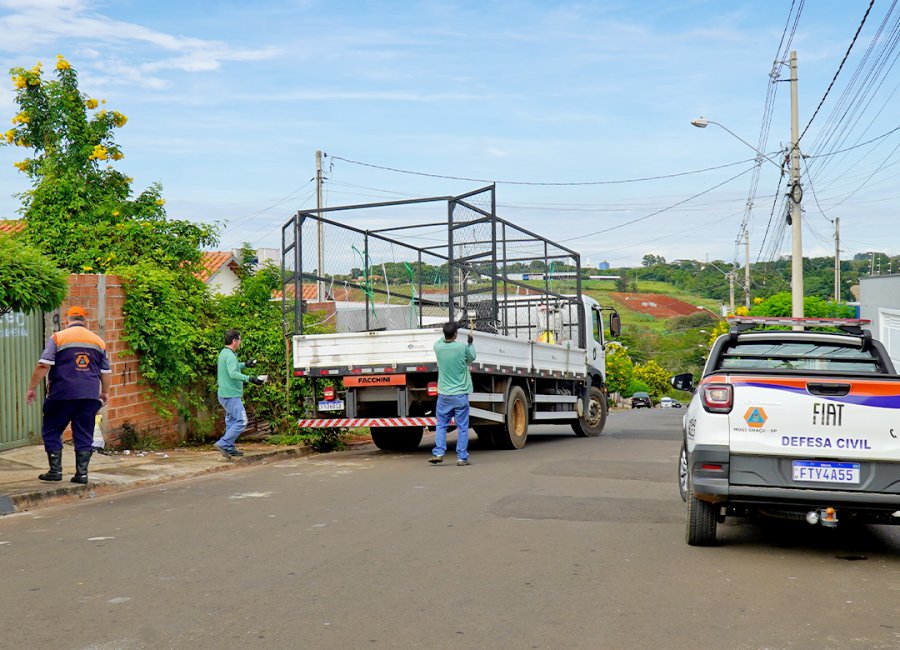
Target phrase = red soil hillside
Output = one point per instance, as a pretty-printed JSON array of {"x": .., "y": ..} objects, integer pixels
[{"x": 657, "y": 304}]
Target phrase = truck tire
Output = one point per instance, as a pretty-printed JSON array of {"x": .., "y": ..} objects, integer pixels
[
  {"x": 396, "y": 438},
  {"x": 514, "y": 434},
  {"x": 701, "y": 522},
  {"x": 594, "y": 418}
]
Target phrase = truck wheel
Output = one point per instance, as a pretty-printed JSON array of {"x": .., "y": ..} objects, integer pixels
[
  {"x": 396, "y": 438},
  {"x": 515, "y": 433},
  {"x": 701, "y": 522},
  {"x": 683, "y": 472},
  {"x": 594, "y": 418}
]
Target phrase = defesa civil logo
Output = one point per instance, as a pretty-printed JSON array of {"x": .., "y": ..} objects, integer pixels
[{"x": 755, "y": 417}]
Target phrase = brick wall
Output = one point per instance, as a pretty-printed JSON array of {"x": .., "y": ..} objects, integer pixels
[{"x": 103, "y": 297}]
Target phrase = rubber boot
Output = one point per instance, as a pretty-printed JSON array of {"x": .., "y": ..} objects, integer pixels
[
  {"x": 55, "y": 473},
  {"x": 82, "y": 459}
]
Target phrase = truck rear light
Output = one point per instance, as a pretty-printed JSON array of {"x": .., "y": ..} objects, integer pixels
[
  {"x": 711, "y": 467},
  {"x": 717, "y": 398},
  {"x": 432, "y": 389},
  {"x": 299, "y": 373},
  {"x": 328, "y": 393}
]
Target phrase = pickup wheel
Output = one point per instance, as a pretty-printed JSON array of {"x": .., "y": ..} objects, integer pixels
[
  {"x": 701, "y": 522},
  {"x": 683, "y": 472},
  {"x": 594, "y": 418},
  {"x": 514, "y": 434},
  {"x": 396, "y": 438}
]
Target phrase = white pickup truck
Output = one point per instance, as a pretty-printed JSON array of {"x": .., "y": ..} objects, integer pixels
[{"x": 797, "y": 424}]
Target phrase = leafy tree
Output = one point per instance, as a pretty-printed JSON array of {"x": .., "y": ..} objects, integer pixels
[
  {"x": 781, "y": 304},
  {"x": 81, "y": 210},
  {"x": 619, "y": 368},
  {"x": 654, "y": 376},
  {"x": 28, "y": 280}
]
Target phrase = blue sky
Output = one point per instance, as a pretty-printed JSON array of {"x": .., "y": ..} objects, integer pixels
[{"x": 228, "y": 102}]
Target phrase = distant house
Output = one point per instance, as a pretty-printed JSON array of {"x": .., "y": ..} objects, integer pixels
[
  {"x": 11, "y": 226},
  {"x": 219, "y": 272}
]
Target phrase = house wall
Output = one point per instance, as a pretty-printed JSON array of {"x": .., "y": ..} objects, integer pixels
[
  {"x": 224, "y": 282},
  {"x": 103, "y": 297},
  {"x": 879, "y": 301}
]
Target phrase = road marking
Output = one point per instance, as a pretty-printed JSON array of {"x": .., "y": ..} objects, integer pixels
[
  {"x": 120, "y": 599},
  {"x": 250, "y": 495},
  {"x": 99, "y": 539}
]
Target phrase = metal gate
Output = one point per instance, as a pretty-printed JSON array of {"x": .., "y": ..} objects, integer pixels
[{"x": 21, "y": 344}]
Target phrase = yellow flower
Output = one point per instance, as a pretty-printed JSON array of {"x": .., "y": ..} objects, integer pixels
[
  {"x": 160, "y": 201},
  {"x": 21, "y": 166},
  {"x": 115, "y": 213},
  {"x": 119, "y": 119},
  {"x": 21, "y": 118},
  {"x": 87, "y": 268},
  {"x": 37, "y": 68},
  {"x": 128, "y": 179},
  {"x": 10, "y": 136},
  {"x": 19, "y": 81},
  {"x": 117, "y": 155},
  {"x": 91, "y": 104},
  {"x": 21, "y": 143},
  {"x": 101, "y": 114},
  {"x": 99, "y": 153},
  {"x": 61, "y": 63}
]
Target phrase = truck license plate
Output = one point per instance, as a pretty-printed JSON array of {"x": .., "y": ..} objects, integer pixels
[
  {"x": 826, "y": 472},
  {"x": 334, "y": 405}
]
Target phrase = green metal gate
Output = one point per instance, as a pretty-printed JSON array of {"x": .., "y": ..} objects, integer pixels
[{"x": 21, "y": 344}]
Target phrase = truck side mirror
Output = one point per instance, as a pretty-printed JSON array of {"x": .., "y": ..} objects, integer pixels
[
  {"x": 615, "y": 325},
  {"x": 684, "y": 381}
]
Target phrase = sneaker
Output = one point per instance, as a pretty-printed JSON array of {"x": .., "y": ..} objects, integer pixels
[
  {"x": 434, "y": 460},
  {"x": 223, "y": 451},
  {"x": 462, "y": 462},
  {"x": 236, "y": 452}
]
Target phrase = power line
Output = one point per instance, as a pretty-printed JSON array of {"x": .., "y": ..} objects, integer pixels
[
  {"x": 545, "y": 184},
  {"x": 838, "y": 71}
]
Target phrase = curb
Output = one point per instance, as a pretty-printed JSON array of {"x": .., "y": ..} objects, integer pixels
[{"x": 28, "y": 500}]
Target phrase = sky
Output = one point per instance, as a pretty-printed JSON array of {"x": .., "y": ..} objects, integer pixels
[{"x": 579, "y": 111}]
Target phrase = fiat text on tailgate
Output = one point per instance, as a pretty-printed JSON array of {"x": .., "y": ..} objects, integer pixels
[{"x": 800, "y": 424}]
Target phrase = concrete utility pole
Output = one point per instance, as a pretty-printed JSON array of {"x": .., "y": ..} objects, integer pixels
[
  {"x": 731, "y": 290},
  {"x": 320, "y": 286},
  {"x": 796, "y": 197},
  {"x": 746, "y": 267},
  {"x": 837, "y": 260}
]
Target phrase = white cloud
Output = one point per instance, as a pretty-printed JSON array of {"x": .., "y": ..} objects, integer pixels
[
  {"x": 498, "y": 152},
  {"x": 41, "y": 23}
]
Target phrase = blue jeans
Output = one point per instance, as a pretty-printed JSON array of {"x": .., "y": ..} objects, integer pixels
[
  {"x": 452, "y": 406},
  {"x": 235, "y": 422}
]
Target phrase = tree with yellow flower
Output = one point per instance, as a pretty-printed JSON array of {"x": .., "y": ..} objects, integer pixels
[{"x": 80, "y": 209}]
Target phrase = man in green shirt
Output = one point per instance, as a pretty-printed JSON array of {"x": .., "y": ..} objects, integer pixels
[
  {"x": 231, "y": 388},
  {"x": 454, "y": 386}
]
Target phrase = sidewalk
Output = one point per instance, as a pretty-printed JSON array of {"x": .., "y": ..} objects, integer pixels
[{"x": 20, "y": 488}]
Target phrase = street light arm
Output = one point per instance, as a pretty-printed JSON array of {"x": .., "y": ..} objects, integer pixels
[{"x": 701, "y": 123}]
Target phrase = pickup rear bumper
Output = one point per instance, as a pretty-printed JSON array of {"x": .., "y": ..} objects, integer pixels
[{"x": 716, "y": 476}]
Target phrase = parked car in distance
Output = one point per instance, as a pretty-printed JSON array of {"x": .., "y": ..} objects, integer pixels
[
  {"x": 641, "y": 400},
  {"x": 669, "y": 403}
]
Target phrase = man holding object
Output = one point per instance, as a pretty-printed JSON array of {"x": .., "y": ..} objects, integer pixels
[{"x": 231, "y": 389}]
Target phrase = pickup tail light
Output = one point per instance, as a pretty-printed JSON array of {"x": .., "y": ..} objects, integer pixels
[
  {"x": 328, "y": 393},
  {"x": 432, "y": 389},
  {"x": 717, "y": 398}
]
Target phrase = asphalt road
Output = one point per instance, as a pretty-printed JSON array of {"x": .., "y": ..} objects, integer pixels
[{"x": 567, "y": 543}]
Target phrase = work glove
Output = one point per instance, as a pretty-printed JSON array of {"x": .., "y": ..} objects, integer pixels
[
  {"x": 257, "y": 381},
  {"x": 251, "y": 364},
  {"x": 470, "y": 339}
]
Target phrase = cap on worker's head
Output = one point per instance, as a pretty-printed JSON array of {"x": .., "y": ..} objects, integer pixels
[{"x": 76, "y": 312}]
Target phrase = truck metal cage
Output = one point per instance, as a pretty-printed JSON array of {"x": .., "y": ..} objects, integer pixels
[{"x": 391, "y": 265}]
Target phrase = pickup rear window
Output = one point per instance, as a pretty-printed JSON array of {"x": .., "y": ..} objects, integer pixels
[{"x": 797, "y": 355}]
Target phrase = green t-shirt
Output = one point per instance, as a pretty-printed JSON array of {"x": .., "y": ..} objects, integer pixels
[
  {"x": 453, "y": 358},
  {"x": 231, "y": 379}
]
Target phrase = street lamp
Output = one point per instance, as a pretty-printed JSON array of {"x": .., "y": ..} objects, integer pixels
[
  {"x": 702, "y": 123},
  {"x": 730, "y": 276},
  {"x": 796, "y": 193}
]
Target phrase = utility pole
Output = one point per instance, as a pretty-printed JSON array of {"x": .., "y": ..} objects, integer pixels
[
  {"x": 320, "y": 287},
  {"x": 837, "y": 260},
  {"x": 746, "y": 267},
  {"x": 731, "y": 290},
  {"x": 796, "y": 197}
]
